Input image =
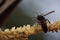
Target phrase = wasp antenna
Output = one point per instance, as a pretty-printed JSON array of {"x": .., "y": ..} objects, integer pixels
[
  {"x": 36, "y": 13},
  {"x": 34, "y": 17},
  {"x": 48, "y": 13}
]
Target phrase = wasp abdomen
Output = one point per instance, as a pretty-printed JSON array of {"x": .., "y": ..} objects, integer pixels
[{"x": 44, "y": 27}]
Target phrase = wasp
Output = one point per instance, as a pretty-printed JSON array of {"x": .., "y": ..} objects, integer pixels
[{"x": 42, "y": 21}]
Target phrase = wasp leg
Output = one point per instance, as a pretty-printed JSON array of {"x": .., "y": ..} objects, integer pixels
[
  {"x": 48, "y": 20},
  {"x": 34, "y": 19},
  {"x": 52, "y": 31},
  {"x": 56, "y": 30}
]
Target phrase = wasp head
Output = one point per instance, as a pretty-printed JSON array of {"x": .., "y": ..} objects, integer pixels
[{"x": 40, "y": 17}]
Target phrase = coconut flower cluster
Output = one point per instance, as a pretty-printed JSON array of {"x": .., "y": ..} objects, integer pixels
[{"x": 22, "y": 32}]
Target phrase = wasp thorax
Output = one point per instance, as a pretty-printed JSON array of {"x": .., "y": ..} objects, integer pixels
[{"x": 40, "y": 17}]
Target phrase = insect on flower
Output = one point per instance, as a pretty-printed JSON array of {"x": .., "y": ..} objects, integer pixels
[{"x": 42, "y": 21}]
